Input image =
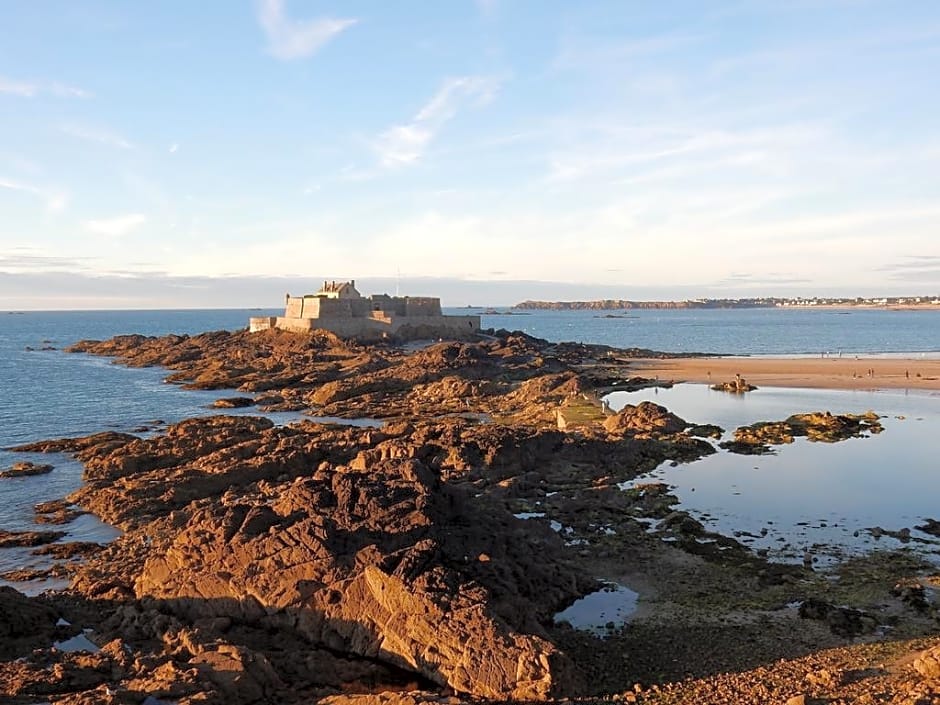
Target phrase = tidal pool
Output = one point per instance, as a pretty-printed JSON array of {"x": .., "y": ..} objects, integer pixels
[
  {"x": 809, "y": 497},
  {"x": 601, "y": 611}
]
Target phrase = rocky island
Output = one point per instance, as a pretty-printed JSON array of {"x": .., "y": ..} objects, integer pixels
[{"x": 430, "y": 554}]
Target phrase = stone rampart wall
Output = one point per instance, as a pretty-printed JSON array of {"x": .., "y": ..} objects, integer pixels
[
  {"x": 294, "y": 306},
  {"x": 372, "y": 328},
  {"x": 422, "y": 306}
]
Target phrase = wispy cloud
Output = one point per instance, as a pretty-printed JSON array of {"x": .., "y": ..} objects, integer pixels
[
  {"x": 31, "y": 89},
  {"x": 116, "y": 226},
  {"x": 914, "y": 268},
  {"x": 606, "y": 153},
  {"x": 296, "y": 39},
  {"x": 55, "y": 199},
  {"x": 16, "y": 262},
  {"x": 736, "y": 279},
  {"x": 405, "y": 144},
  {"x": 98, "y": 135},
  {"x": 591, "y": 53}
]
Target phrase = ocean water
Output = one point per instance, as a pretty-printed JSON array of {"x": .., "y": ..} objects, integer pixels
[
  {"x": 50, "y": 394},
  {"x": 775, "y": 331}
]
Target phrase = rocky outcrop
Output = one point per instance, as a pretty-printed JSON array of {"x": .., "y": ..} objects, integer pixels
[
  {"x": 820, "y": 426},
  {"x": 233, "y": 403},
  {"x": 347, "y": 538},
  {"x": 646, "y": 418},
  {"x": 390, "y": 572},
  {"x": 510, "y": 375},
  {"x": 25, "y": 624},
  {"x": 843, "y": 621},
  {"x": 927, "y": 663},
  {"x": 25, "y": 469},
  {"x": 738, "y": 385},
  {"x": 10, "y": 539}
]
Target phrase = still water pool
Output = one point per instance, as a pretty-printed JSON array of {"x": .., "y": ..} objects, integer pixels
[{"x": 816, "y": 497}]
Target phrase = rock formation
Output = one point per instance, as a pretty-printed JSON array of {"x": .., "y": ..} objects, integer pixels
[
  {"x": 291, "y": 564},
  {"x": 820, "y": 426}
]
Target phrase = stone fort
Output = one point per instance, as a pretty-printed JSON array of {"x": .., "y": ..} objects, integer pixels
[{"x": 339, "y": 308}]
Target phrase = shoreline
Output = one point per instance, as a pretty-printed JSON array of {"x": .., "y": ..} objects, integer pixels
[
  {"x": 366, "y": 518},
  {"x": 805, "y": 372}
]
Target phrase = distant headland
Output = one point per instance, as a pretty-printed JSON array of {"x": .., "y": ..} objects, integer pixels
[{"x": 889, "y": 302}]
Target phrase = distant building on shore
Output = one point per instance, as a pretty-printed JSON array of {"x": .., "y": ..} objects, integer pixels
[{"x": 339, "y": 308}]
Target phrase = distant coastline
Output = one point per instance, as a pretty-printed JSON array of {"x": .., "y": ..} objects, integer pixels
[{"x": 899, "y": 303}]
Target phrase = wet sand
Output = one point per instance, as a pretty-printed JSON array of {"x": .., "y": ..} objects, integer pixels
[{"x": 817, "y": 373}]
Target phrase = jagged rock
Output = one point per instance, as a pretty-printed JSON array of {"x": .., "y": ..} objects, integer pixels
[
  {"x": 380, "y": 575},
  {"x": 930, "y": 526},
  {"x": 25, "y": 469},
  {"x": 843, "y": 621},
  {"x": 25, "y": 623},
  {"x": 233, "y": 403},
  {"x": 644, "y": 418},
  {"x": 927, "y": 663},
  {"x": 738, "y": 385},
  {"x": 817, "y": 426},
  {"x": 9, "y": 539}
]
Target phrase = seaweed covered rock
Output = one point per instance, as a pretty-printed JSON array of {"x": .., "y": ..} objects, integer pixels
[{"x": 819, "y": 426}]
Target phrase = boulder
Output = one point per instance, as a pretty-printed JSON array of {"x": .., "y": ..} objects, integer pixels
[
  {"x": 25, "y": 469},
  {"x": 646, "y": 418}
]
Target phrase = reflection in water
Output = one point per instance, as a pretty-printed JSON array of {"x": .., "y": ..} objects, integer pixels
[
  {"x": 601, "y": 611},
  {"x": 812, "y": 497}
]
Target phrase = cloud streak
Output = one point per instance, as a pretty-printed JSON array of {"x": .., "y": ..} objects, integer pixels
[
  {"x": 296, "y": 39},
  {"x": 117, "y": 226},
  {"x": 97, "y": 135},
  {"x": 32, "y": 89},
  {"x": 15, "y": 263},
  {"x": 55, "y": 200},
  {"x": 405, "y": 144}
]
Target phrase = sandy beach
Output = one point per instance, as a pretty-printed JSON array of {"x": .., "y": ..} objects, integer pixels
[{"x": 820, "y": 373}]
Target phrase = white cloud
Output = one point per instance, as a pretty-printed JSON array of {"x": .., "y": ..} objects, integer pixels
[
  {"x": 55, "y": 199},
  {"x": 98, "y": 135},
  {"x": 581, "y": 53},
  {"x": 20, "y": 88},
  {"x": 296, "y": 39},
  {"x": 116, "y": 226},
  {"x": 31, "y": 89},
  {"x": 607, "y": 152},
  {"x": 174, "y": 148},
  {"x": 65, "y": 91},
  {"x": 405, "y": 144}
]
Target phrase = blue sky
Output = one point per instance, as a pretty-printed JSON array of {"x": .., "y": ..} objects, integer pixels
[{"x": 158, "y": 154}]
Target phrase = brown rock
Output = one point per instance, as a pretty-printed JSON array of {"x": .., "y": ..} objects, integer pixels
[
  {"x": 644, "y": 418},
  {"x": 927, "y": 663},
  {"x": 25, "y": 623},
  {"x": 25, "y": 470},
  {"x": 10, "y": 539},
  {"x": 233, "y": 402},
  {"x": 377, "y": 576}
]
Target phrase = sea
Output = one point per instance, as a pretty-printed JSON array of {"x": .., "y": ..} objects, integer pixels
[{"x": 886, "y": 481}]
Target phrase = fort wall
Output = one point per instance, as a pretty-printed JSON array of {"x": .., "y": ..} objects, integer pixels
[
  {"x": 294, "y": 308},
  {"x": 340, "y": 309},
  {"x": 376, "y": 327}
]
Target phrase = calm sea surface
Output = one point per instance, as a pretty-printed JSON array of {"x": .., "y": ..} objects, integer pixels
[
  {"x": 776, "y": 331},
  {"x": 47, "y": 393}
]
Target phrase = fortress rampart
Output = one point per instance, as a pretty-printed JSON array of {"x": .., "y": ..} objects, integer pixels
[{"x": 340, "y": 309}]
